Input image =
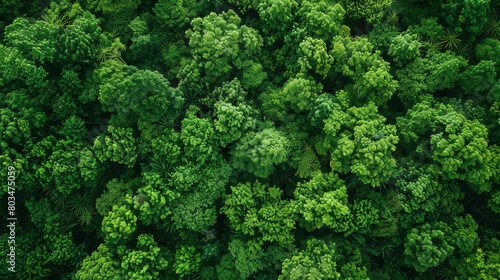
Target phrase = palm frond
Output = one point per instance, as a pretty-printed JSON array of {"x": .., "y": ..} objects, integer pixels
[
  {"x": 464, "y": 50},
  {"x": 58, "y": 20},
  {"x": 451, "y": 39},
  {"x": 160, "y": 166},
  {"x": 431, "y": 44},
  {"x": 492, "y": 28},
  {"x": 392, "y": 17},
  {"x": 82, "y": 205}
]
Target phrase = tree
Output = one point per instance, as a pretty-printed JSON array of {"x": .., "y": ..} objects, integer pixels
[
  {"x": 101, "y": 263},
  {"x": 488, "y": 49},
  {"x": 152, "y": 199},
  {"x": 404, "y": 48},
  {"x": 198, "y": 137},
  {"x": 424, "y": 197},
  {"x": 218, "y": 43},
  {"x": 200, "y": 186},
  {"x": 118, "y": 146},
  {"x": 361, "y": 143},
  {"x": 79, "y": 42},
  {"x": 35, "y": 40},
  {"x": 15, "y": 68},
  {"x": 258, "y": 152},
  {"x": 316, "y": 261},
  {"x": 119, "y": 225},
  {"x": 427, "y": 246},
  {"x": 296, "y": 96},
  {"x": 187, "y": 261},
  {"x": 322, "y": 201},
  {"x": 436, "y": 71},
  {"x": 232, "y": 121},
  {"x": 370, "y": 10},
  {"x": 144, "y": 262},
  {"x": 457, "y": 145},
  {"x": 314, "y": 56},
  {"x": 277, "y": 17},
  {"x": 258, "y": 210},
  {"x": 177, "y": 14},
  {"x": 68, "y": 167},
  {"x": 321, "y": 19},
  {"x": 357, "y": 60},
  {"x": 140, "y": 94},
  {"x": 247, "y": 256},
  {"x": 478, "y": 78}
]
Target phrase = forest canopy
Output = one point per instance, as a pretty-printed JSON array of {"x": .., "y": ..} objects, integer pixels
[{"x": 244, "y": 139}]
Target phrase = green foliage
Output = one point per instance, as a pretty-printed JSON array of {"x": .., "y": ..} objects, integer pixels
[
  {"x": 201, "y": 187},
  {"x": 244, "y": 139},
  {"x": 258, "y": 152},
  {"x": 370, "y": 10},
  {"x": 357, "y": 60},
  {"x": 313, "y": 56},
  {"x": 424, "y": 198},
  {"x": 219, "y": 43},
  {"x": 102, "y": 263},
  {"x": 478, "y": 78},
  {"x": 474, "y": 15},
  {"x": 492, "y": 28},
  {"x": 79, "y": 41},
  {"x": 308, "y": 163},
  {"x": 152, "y": 199},
  {"x": 187, "y": 261},
  {"x": 119, "y": 146},
  {"x": 436, "y": 71},
  {"x": 451, "y": 39},
  {"x": 46, "y": 247},
  {"x": 321, "y": 20},
  {"x": 322, "y": 201},
  {"x": 247, "y": 256},
  {"x": 177, "y": 14},
  {"x": 14, "y": 68},
  {"x": 258, "y": 210},
  {"x": 68, "y": 167},
  {"x": 115, "y": 194},
  {"x": 232, "y": 121},
  {"x": 297, "y": 95},
  {"x": 113, "y": 6},
  {"x": 354, "y": 136},
  {"x": 494, "y": 202},
  {"x": 427, "y": 246},
  {"x": 316, "y": 261},
  {"x": 35, "y": 40},
  {"x": 456, "y": 144},
  {"x": 141, "y": 94},
  {"x": 489, "y": 49},
  {"x": 198, "y": 137},
  {"x": 146, "y": 261},
  {"x": 276, "y": 15},
  {"x": 118, "y": 225},
  {"x": 404, "y": 48}
]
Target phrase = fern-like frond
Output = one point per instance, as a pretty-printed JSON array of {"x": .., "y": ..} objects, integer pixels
[
  {"x": 451, "y": 40},
  {"x": 82, "y": 205},
  {"x": 492, "y": 28},
  {"x": 160, "y": 166},
  {"x": 464, "y": 50},
  {"x": 58, "y": 20},
  {"x": 431, "y": 44},
  {"x": 442, "y": 272},
  {"x": 392, "y": 17}
]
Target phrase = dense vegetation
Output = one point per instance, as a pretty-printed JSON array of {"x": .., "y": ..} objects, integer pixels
[{"x": 252, "y": 139}]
